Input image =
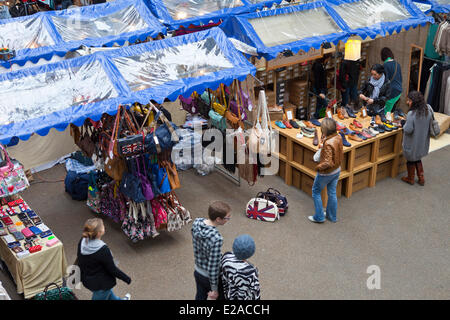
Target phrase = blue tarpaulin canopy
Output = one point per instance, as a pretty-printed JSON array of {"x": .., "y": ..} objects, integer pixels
[
  {"x": 302, "y": 27},
  {"x": 45, "y": 34},
  {"x": 438, "y": 6},
  {"x": 177, "y": 13},
  {"x": 54, "y": 95},
  {"x": 370, "y": 18},
  {"x": 293, "y": 28}
]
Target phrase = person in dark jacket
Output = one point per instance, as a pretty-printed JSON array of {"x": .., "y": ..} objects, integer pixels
[
  {"x": 393, "y": 72},
  {"x": 98, "y": 270},
  {"x": 348, "y": 78},
  {"x": 416, "y": 136},
  {"x": 320, "y": 87},
  {"x": 375, "y": 92}
]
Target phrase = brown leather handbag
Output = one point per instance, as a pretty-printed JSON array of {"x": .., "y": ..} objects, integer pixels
[
  {"x": 234, "y": 120},
  {"x": 85, "y": 143},
  {"x": 115, "y": 168},
  {"x": 172, "y": 175}
]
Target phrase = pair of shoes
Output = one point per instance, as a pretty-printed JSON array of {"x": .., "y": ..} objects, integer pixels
[
  {"x": 308, "y": 124},
  {"x": 287, "y": 124},
  {"x": 340, "y": 126},
  {"x": 372, "y": 131},
  {"x": 315, "y": 122},
  {"x": 367, "y": 133},
  {"x": 350, "y": 112},
  {"x": 419, "y": 168},
  {"x": 344, "y": 141},
  {"x": 308, "y": 132},
  {"x": 301, "y": 124},
  {"x": 353, "y": 127},
  {"x": 378, "y": 128},
  {"x": 361, "y": 135},
  {"x": 390, "y": 125},
  {"x": 311, "y": 218},
  {"x": 294, "y": 124},
  {"x": 340, "y": 113},
  {"x": 280, "y": 124}
]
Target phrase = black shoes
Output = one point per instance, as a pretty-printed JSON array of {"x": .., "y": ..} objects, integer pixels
[
  {"x": 294, "y": 124},
  {"x": 350, "y": 112}
]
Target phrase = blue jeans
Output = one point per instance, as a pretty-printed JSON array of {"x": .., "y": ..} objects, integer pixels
[
  {"x": 331, "y": 183},
  {"x": 350, "y": 93},
  {"x": 104, "y": 295}
]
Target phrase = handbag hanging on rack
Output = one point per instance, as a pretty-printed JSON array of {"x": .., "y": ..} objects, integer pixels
[
  {"x": 12, "y": 175},
  {"x": 85, "y": 143},
  {"x": 164, "y": 137},
  {"x": 234, "y": 119},
  {"x": 260, "y": 140},
  {"x": 217, "y": 120}
]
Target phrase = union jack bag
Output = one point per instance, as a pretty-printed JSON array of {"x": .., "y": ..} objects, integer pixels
[{"x": 262, "y": 210}]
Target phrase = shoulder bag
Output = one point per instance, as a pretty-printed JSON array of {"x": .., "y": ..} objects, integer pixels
[
  {"x": 435, "y": 130},
  {"x": 262, "y": 210}
]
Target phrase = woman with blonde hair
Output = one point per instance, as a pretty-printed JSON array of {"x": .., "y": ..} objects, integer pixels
[
  {"x": 329, "y": 169},
  {"x": 98, "y": 270}
]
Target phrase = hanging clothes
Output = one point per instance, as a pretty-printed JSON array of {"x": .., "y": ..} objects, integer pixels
[
  {"x": 442, "y": 39},
  {"x": 445, "y": 79},
  {"x": 430, "y": 50}
]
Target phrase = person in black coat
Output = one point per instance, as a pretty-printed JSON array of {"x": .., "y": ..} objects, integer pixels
[
  {"x": 375, "y": 92},
  {"x": 320, "y": 87},
  {"x": 348, "y": 78},
  {"x": 98, "y": 270}
]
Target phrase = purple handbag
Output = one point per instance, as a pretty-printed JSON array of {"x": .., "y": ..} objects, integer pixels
[
  {"x": 146, "y": 185},
  {"x": 189, "y": 104},
  {"x": 245, "y": 99},
  {"x": 234, "y": 105}
]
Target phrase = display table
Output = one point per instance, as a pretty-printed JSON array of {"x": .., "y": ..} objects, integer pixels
[
  {"x": 364, "y": 162},
  {"x": 35, "y": 271}
]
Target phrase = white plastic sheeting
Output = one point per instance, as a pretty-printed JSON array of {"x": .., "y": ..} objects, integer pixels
[
  {"x": 366, "y": 13},
  {"x": 182, "y": 9},
  {"x": 297, "y": 25}
]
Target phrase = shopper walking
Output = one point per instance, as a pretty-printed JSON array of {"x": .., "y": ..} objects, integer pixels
[
  {"x": 207, "y": 243},
  {"x": 375, "y": 92},
  {"x": 329, "y": 168},
  {"x": 239, "y": 277},
  {"x": 416, "y": 136},
  {"x": 98, "y": 270},
  {"x": 320, "y": 87},
  {"x": 393, "y": 72}
]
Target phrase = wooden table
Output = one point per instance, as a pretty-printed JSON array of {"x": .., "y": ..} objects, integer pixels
[
  {"x": 364, "y": 162},
  {"x": 35, "y": 271}
]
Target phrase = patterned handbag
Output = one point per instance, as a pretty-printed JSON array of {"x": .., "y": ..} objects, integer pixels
[
  {"x": 159, "y": 214},
  {"x": 275, "y": 196},
  {"x": 12, "y": 176},
  {"x": 262, "y": 210},
  {"x": 174, "y": 221},
  {"x": 131, "y": 225},
  {"x": 60, "y": 293},
  {"x": 182, "y": 211}
]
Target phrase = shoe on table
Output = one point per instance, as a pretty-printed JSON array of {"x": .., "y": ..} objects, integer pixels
[
  {"x": 299, "y": 135},
  {"x": 373, "y": 132},
  {"x": 315, "y": 122},
  {"x": 344, "y": 141},
  {"x": 308, "y": 124},
  {"x": 359, "y": 134},
  {"x": 340, "y": 114},
  {"x": 366, "y": 133},
  {"x": 280, "y": 124},
  {"x": 301, "y": 124},
  {"x": 386, "y": 128},
  {"x": 357, "y": 124},
  {"x": 294, "y": 124},
  {"x": 372, "y": 121},
  {"x": 307, "y": 133},
  {"x": 390, "y": 125},
  {"x": 354, "y": 137},
  {"x": 353, "y": 127},
  {"x": 287, "y": 124},
  {"x": 350, "y": 112},
  {"x": 311, "y": 218},
  {"x": 340, "y": 126},
  {"x": 345, "y": 113},
  {"x": 316, "y": 139},
  {"x": 378, "y": 120},
  {"x": 378, "y": 128}
]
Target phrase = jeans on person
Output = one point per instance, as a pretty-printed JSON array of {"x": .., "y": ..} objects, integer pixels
[
  {"x": 351, "y": 92},
  {"x": 104, "y": 295},
  {"x": 203, "y": 286},
  {"x": 321, "y": 182}
]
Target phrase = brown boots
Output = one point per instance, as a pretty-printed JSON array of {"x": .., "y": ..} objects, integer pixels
[
  {"x": 412, "y": 167},
  {"x": 419, "y": 168}
]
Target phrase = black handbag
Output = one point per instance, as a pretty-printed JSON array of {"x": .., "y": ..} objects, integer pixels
[
  {"x": 163, "y": 137},
  {"x": 131, "y": 186}
]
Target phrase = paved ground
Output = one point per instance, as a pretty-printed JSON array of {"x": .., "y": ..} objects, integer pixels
[{"x": 400, "y": 228}]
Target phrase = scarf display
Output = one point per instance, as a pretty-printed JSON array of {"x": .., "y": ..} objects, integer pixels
[{"x": 377, "y": 84}]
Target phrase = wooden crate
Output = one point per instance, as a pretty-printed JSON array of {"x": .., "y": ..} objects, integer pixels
[
  {"x": 282, "y": 169},
  {"x": 361, "y": 180},
  {"x": 401, "y": 164},
  {"x": 386, "y": 146},
  {"x": 308, "y": 160},
  {"x": 297, "y": 153},
  {"x": 362, "y": 155},
  {"x": 307, "y": 183},
  {"x": 283, "y": 145},
  {"x": 384, "y": 170},
  {"x": 296, "y": 178}
]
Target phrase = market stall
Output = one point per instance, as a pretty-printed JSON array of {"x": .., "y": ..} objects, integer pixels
[
  {"x": 285, "y": 69},
  {"x": 113, "y": 96},
  {"x": 46, "y": 34}
]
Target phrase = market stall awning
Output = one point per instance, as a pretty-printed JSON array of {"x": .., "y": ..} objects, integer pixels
[
  {"x": 438, "y": 6},
  {"x": 370, "y": 18},
  {"x": 294, "y": 28},
  {"x": 46, "y": 34},
  {"x": 177, "y": 13},
  {"x": 36, "y": 99}
]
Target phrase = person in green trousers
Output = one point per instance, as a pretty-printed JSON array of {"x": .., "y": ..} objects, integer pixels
[{"x": 393, "y": 73}]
